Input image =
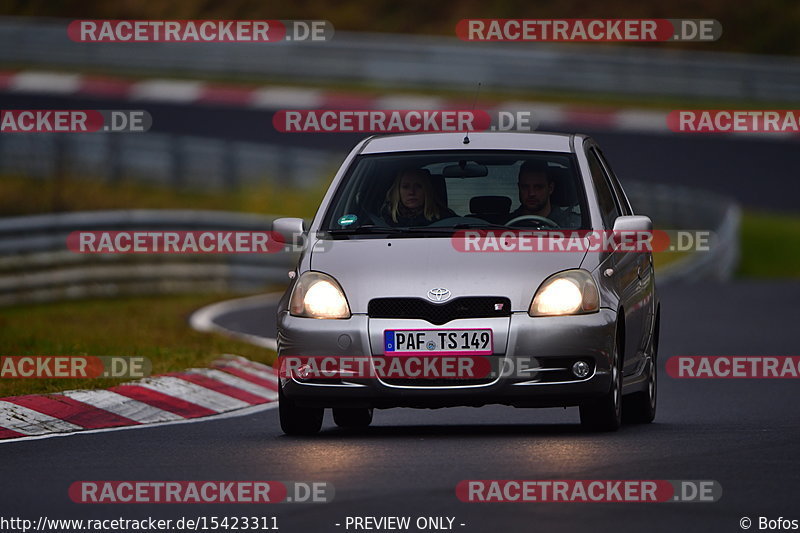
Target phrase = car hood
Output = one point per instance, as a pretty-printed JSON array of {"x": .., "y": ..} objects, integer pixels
[{"x": 410, "y": 267}]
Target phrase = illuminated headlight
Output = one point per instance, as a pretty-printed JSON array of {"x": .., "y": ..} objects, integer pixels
[
  {"x": 317, "y": 295},
  {"x": 571, "y": 292}
]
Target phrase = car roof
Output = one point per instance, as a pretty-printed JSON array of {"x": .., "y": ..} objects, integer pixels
[{"x": 540, "y": 141}]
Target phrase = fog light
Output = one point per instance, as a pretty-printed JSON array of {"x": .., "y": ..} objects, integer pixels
[
  {"x": 580, "y": 369},
  {"x": 303, "y": 371}
]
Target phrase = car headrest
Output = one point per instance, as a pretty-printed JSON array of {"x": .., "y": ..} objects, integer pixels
[
  {"x": 564, "y": 193},
  {"x": 490, "y": 204},
  {"x": 439, "y": 187}
]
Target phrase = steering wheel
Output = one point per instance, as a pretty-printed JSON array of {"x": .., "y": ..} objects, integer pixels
[
  {"x": 452, "y": 221},
  {"x": 542, "y": 220}
]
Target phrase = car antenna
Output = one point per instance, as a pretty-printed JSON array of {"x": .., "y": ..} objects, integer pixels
[{"x": 474, "y": 101}]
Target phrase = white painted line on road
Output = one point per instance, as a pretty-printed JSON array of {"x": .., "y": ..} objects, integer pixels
[
  {"x": 167, "y": 90},
  {"x": 234, "y": 381},
  {"x": 204, "y": 318},
  {"x": 122, "y": 405},
  {"x": 287, "y": 98},
  {"x": 542, "y": 112},
  {"x": 30, "y": 422},
  {"x": 253, "y": 409},
  {"x": 45, "y": 82},
  {"x": 192, "y": 393},
  {"x": 635, "y": 120}
]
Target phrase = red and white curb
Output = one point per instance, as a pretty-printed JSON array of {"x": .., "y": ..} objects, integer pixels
[
  {"x": 194, "y": 92},
  {"x": 197, "y": 92},
  {"x": 234, "y": 386}
]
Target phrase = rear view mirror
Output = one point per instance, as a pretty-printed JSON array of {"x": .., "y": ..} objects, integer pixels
[{"x": 465, "y": 169}]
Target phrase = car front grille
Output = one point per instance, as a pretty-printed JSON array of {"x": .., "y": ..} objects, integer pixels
[{"x": 464, "y": 307}]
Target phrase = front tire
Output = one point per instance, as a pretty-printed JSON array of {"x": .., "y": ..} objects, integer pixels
[
  {"x": 298, "y": 420},
  {"x": 605, "y": 413},
  {"x": 352, "y": 417},
  {"x": 640, "y": 407}
]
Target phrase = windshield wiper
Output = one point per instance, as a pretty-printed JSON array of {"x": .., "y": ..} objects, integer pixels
[
  {"x": 450, "y": 229},
  {"x": 389, "y": 230},
  {"x": 474, "y": 225},
  {"x": 366, "y": 230}
]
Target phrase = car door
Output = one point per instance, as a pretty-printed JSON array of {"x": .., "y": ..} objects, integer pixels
[
  {"x": 645, "y": 259},
  {"x": 625, "y": 265}
]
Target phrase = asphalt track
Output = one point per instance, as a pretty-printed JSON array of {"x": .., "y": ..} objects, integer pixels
[{"x": 741, "y": 433}]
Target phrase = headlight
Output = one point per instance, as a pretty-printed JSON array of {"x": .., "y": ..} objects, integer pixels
[
  {"x": 317, "y": 295},
  {"x": 572, "y": 292}
]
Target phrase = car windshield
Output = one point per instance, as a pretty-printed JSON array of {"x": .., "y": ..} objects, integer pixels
[{"x": 437, "y": 192}]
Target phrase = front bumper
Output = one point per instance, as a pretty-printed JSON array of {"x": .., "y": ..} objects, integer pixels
[{"x": 520, "y": 342}]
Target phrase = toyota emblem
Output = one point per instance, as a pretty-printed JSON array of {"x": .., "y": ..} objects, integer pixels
[{"x": 439, "y": 295}]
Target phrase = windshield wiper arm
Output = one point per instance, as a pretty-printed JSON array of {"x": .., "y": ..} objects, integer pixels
[
  {"x": 390, "y": 230},
  {"x": 365, "y": 230},
  {"x": 450, "y": 229},
  {"x": 474, "y": 225}
]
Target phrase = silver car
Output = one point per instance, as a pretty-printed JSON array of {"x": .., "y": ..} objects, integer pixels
[{"x": 448, "y": 270}]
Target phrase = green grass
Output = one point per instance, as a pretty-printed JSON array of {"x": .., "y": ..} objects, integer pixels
[
  {"x": 155, "y": 327},
  {"x": 24, "y": 196},
  {"x": 662, "y": 259},
  {"x": 770, "y": 245}
]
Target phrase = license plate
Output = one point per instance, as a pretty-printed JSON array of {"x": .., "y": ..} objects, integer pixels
[{"x": 431, "y": 341}]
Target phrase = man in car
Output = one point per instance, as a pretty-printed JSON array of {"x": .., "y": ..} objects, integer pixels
[{"x": 536, "y": 186}]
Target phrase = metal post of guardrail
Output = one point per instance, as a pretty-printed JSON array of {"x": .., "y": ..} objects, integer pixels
[
  {"x": 230, "y": 165},
  {"x": 178, "y": 169},
  {"x": 60, "y": 171},
  {"x": 113, "y": 158},
  {"x": 285, "y": 168}
]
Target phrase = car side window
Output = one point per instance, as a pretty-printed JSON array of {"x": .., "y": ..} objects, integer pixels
[
  {"x": 605, "y": 197},
  {"x": 624, "y": 203}
]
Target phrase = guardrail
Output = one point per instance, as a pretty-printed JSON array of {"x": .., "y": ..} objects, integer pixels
[
  {"x": 36, "y": 266},
  {"x": 166, "y": 159},
  {"x": 684, "y": 208},
  {"x": 420, "y": 62}
]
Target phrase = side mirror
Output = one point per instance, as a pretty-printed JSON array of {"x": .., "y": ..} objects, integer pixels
[
  {"x": 290, "y": 230},
  {"x": 633, "y": 223},
  {"x": 631, "y": 232}
]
